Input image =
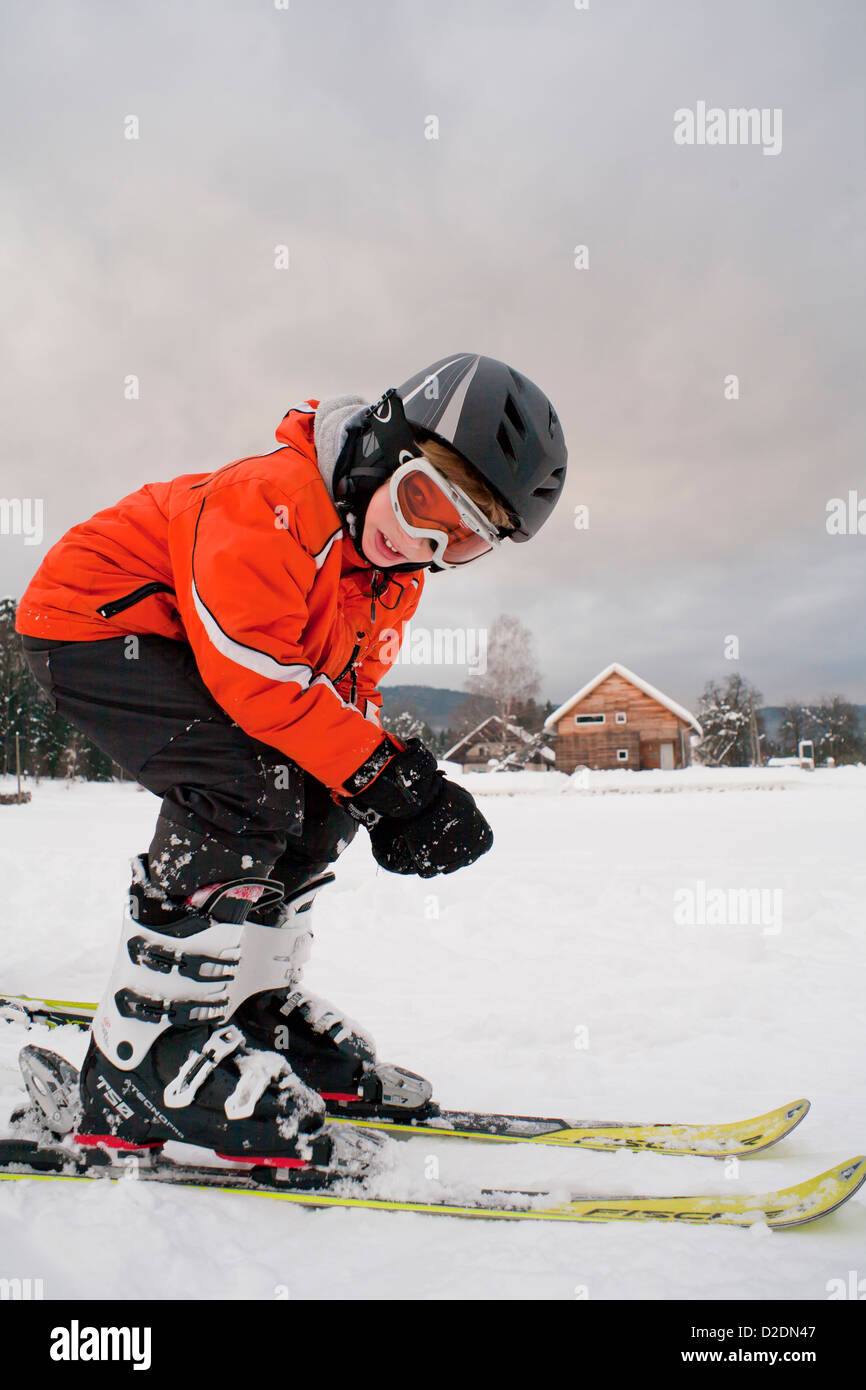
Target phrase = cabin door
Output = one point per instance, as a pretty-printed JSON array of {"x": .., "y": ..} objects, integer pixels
[{"x": 666, "y": 757}]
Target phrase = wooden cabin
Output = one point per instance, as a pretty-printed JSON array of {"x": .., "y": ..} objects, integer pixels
[
  {"x": 620, "y": 720},
  {"x": 492, "y": 740}
]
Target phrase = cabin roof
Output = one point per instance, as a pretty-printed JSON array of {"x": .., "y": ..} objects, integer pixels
[
  {"x": 476, "y": 734},
  {"x": 617, "y": 669}
]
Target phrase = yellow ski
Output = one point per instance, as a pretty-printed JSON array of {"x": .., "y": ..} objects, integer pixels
[
  {"x": 790, "y": 1206},
  {"x": 733, "y": 1139}
]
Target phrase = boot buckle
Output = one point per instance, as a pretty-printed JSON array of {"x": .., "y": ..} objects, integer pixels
[
  {"x": 183, "y": 1013},
  {"x": 199, "y": 1065},
  {"x": 163, "y": 960}
]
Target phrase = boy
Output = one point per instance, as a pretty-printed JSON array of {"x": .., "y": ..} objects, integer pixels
[{"x": 220, "y": 637}]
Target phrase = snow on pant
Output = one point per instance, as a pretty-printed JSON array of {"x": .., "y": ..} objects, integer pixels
[{"x": 232, "y": 807}]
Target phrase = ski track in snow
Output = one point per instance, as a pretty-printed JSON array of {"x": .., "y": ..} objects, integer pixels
[{"x": 485, "y": 981}]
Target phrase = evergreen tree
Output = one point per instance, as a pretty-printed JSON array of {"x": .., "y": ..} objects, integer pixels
[
  {"x": 49, "y": 745},
  {"x": 405, "y": 725},
  {"x": 530, "y": 715}
]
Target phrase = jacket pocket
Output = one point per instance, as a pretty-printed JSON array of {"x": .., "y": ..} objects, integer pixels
[{"x": 117, "y": 605}]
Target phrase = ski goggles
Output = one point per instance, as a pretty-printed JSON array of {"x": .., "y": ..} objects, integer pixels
[{"x": 430, "y": 507}]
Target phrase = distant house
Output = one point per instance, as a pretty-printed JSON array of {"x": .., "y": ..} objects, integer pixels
[
  {"x": 620, "y": 720},
  {"x": 492, "y": 741}
]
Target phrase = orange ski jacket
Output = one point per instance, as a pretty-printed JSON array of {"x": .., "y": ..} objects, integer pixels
[{"x": 292, "y": 629}]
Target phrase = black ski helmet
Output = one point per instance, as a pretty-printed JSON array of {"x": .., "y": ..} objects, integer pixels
[
  {"x": 501, "y": 423},
  {"x": 498, "y": 421}
]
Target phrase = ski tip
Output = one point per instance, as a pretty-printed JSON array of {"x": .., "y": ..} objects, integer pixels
[
  {"x": 797, "y": 1110},
  {"x": 852, "y": 1172},
  {"x": 827, "y": 1192}
]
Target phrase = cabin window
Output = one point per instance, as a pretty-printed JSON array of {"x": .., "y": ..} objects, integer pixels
[
  {"x": 622, "y": 755},
  {"x": 589, "y": 719},
  {"x": 620, "y": 716},
  {"x": 481, "y": 752}
]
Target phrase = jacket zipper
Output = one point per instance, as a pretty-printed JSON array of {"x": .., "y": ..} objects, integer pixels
[
  {"x": 110, "y": 610},
  {"x": 375, "y": 593},
  {"x": 350, "y": 666}
]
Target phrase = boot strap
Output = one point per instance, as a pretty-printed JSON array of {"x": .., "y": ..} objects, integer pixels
[{"x": 325, "y": 1018}]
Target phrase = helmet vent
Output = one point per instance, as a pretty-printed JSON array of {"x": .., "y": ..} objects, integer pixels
[
  {"x": 552, "y": 484},
  {"x": 505, "y": 444},
  {"x": 514, "y": 416}
]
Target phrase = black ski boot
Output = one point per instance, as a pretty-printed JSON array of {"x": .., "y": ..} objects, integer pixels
[
  {"x": 329, "y": 1051},
  {"x": 166, "y": 1063}
]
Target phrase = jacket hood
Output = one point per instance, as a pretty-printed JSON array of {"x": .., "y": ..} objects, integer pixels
[{"x": 319, "y": 428}]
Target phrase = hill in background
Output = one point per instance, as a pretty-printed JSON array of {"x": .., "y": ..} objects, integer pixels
[{"x": 434, "y": 705}]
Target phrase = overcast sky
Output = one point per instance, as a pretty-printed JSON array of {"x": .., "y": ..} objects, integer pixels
[{"x": 306, "y": 127}]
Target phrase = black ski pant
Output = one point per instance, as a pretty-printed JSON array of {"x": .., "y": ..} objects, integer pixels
[{"x": 232, "y": 807}]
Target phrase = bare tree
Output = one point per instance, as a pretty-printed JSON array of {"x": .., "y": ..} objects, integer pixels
[
  {"x": 733, "y": 728},
  {"x": 512, "y": 675}
]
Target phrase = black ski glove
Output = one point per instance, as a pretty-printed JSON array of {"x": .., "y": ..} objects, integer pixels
[{"x": 419, "y": 822}]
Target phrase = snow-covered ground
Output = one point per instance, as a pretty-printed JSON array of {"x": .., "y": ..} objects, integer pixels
[{"x": 558, "y": 975}]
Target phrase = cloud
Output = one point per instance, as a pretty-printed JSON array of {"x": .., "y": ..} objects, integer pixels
[{"x": 306, "y": 127}]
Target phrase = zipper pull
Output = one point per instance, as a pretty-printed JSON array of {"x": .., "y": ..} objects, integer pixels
[{"x": 377, "y": 575}]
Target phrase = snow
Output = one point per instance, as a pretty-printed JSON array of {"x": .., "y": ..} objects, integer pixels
[
  {"x": 448, "y": 767},
  {"x": 588, "y": 782},
  {"x": 550, "y": 977}
]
